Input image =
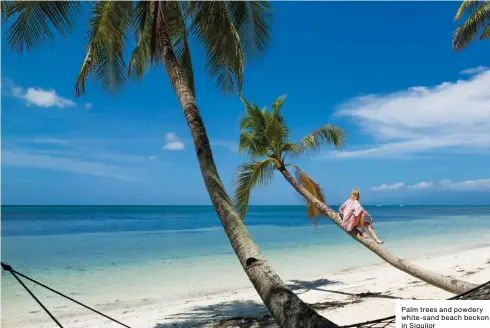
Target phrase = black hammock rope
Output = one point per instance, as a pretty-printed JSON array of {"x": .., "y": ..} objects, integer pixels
[
  {"x": 481, "y": 292},
  {"x": 16, "y": 275}
]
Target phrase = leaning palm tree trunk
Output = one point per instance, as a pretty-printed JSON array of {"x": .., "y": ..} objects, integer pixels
[
  {"x": 454, "y": 286},
  {"x": 286, "y": 307}
]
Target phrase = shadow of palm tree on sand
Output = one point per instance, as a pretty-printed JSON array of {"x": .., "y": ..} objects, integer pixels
[{"x": 251, "y": 314}]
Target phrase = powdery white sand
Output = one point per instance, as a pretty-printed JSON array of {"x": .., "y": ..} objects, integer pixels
[{"x": 345, "y": 297}]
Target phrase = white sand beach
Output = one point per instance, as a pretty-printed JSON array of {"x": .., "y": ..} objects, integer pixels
[{"x": 347, "y": 296}]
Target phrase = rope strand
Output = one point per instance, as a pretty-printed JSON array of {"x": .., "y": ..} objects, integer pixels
[{"x": 7, "y": 267}]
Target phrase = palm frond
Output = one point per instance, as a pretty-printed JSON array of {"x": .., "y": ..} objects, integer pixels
[
  {"x": 468, "y": 6},
  {"x": 107, "y": 30},
  {"x": 141, "y": 56},
  {"x": 279, "y": 129},
  {"x": 486, "y": 33},
  {"x": 6, "y": 10},
  {"x": 212, "y": 26},
  {"x": 252, "y": 145},
  {"x": 252, "y": 21},
  {"x": 276, "y": 133},
  {"x": 147, "y": 49},
  {"x": 253, "y": 118},
  {"x": 313, "y": 188},
  {"x": 290, "y": 148},
  {"x": 277, "y": 114},
  {"x": 177, "y": 30},
  {"x": 468, "y": 30},
  {"x": 36, "y": 20},
  {"x": 254, "y": 131},
  {"x": 248, "y": 176},
  {"x": 329, "y": 134},
  {"x": 157, "y": 13},
  {"x": 277, "y": 106}
]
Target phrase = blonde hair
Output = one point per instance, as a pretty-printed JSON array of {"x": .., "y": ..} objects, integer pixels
[{"x": 354, "y": 195}]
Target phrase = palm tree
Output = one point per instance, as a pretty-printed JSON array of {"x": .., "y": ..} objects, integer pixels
[
  {"x": 265, "y": 135},
  {"x": 478, "y": 20},
  {"x": 230, "y": 32}
]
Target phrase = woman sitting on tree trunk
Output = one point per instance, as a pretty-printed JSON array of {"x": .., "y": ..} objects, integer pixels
[{"x": 354, "y": 215}]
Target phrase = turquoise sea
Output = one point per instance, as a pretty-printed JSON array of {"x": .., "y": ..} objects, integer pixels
[{"x": 107, "y": 254}]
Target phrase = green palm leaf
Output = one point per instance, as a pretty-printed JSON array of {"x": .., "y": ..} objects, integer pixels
[
  {"x": 327, "y": 133},
  {"x": 277, "y": 106},
  {"x": 290, "y": 148},
  {"x": 486, "y": 33},
  {"x": 479, "y": 19},
  {"x": 252, "y": 21},
  {"x": 107, "y": 30},
  {"x": 144, "y": 52},
  {"x": 229, "y": 30},
  {"x": 253, "y": 120},
  {"x": 468, "y": 6},
  {"x": 279, "y": 132},
  {"x": 141, "y": 56},
  {"x": 36, "y": 20},
  {"x": 254, "y": 137},
  {"x": 250, "y": 144},
  {"x": 6, "y": 9},
  {"x": 216, "y": 31},
  {"x": 178, "y": 34},
  {"x": 248, "y": 176}
]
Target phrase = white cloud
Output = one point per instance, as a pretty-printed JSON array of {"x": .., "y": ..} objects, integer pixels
[
  {"x": 474, "y": 70},
  {"x": 450, "y": 117},
  {"x": 468, "y": 185},
  {"x": 479, "y": 184},
  {"x": 49, "y": 141},
  {"x": 421, "y": 185},
  {"x": 41, "y": 98},
  {"x": 388, "y": 187},
  {"x": 173, "y": 142},
  {"x": 88, "y": 156},
  {"x": 152, "y": 158},
  {"x": 60, "y": 163}
]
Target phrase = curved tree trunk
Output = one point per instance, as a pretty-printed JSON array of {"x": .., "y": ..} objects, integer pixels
[
  {"x": 454, "y": 286},
  {"x": 286, "y": 307}
]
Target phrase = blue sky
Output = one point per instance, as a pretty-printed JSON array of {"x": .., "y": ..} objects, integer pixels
[{"x": 417, "y": 114}]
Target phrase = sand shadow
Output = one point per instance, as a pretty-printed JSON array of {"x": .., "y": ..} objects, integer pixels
[
  {"x": 245, "y": 314},
  {"x": 237, "y": 314},
  {"x": 227, "y": 314},
  {"x": 318, "y": 284},
  {"x": 302, "y": 286}
]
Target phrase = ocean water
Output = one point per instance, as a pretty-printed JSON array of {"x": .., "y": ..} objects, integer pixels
[{"x": 128, "y": 255}]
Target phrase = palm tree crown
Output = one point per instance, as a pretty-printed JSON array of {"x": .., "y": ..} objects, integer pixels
[
  {"x": 478, "y": 20},
  {"x": 264, "y": 134},
  {"x": 230, "y": 32}
]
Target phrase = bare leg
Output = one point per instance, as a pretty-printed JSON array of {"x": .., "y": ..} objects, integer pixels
[
  {"x": 361, "y": 224},
  {"x": 371, "y": 231}
]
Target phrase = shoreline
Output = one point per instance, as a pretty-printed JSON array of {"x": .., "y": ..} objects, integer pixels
[{"x": 345, "y": 296}]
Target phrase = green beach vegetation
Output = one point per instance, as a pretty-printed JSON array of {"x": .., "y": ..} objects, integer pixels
[
  {"x": 230, "y": 32},
  {"x": 478, "y": 21},
  {"x": 265, "y": 136}
]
